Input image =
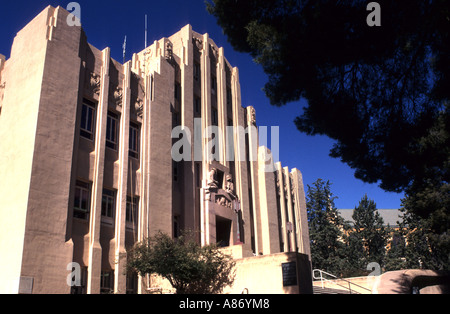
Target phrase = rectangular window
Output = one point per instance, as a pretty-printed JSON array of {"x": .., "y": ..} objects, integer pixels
[
  {"x": 107, "y": 282},
  {"x": 81, "y": 200},
  {"x": 175, "y": 119},
  {"x": 111, "y": 130},
  {"x": 132, "y": 283},
  {"x": 198, "y": 175},
  {"x": 175, "y": 170},
  {"x": 229, "y": 100},
  {"x": 132, "y": 209},
  {"x": 81, "y": 289},
  {"x": 108, "y": 203},
  {"x": 176, "y": 227},
  {"x": 197, "y": 107},
  {"x": 196, "y": 71},
  {"x": 214, "y": 116},
  {"x": 134, "y": 140},
  {"x": 213, "y": 84},
  {"x": 87, "y": 124},
  {"x": 177, "y": 91}
]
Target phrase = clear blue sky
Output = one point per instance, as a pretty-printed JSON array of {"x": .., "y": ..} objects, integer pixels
[{"x": 107, "y": 22}]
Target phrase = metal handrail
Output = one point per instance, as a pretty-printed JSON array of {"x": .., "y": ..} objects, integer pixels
[{"x": 322, "y": 279}]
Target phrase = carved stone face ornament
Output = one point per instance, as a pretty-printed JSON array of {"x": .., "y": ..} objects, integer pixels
[
  {"x": 94, "y": 82},
  {"x": 211, "y": 183},
  {"x": 168, "y": 52},
  {"x": 139, "y": 107},
  {"x": 252, "y": 116},
  {"x": 229, "y": 187},
  {"x": 118, "y": 94}
]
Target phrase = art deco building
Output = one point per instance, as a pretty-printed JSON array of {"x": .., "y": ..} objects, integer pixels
[{"x": 87, "y": 164}]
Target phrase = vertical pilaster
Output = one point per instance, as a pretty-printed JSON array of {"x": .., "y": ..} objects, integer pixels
[
  {"x": 290, "y": 210},
  {"x": 221, "y": 105},
  {"x": 267, "y": 204},
  {"x": 302, "y": 216},
  {"x": 95, "y": 249},
  {"x": 143, "y": 231},
  {"x": 120, "y": 225},
  {"x": 284, "y": 216},
  {"x": 239, "y": 115},
  {"x": 143, "y": 221},
  {"x": 253, "y": 172},
  {"x": 187, "y": 121},
  {"x": 206, "y": 121}
]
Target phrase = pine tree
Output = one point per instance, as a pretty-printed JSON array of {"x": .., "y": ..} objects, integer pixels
[
  {"x": 425, "y": 247},
  {"x": 370, "y": 230},
  {"x": 325, "y": 229}
]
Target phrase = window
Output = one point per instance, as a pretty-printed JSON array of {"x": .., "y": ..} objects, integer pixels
[
  {"x": 176, "y": 227},
  {"x": 175, "y": 170},
  {"x": 108, "y": 203},
  {"x": 197, "y": 106},
  {"x": 131, "y": 210},
  {"x": 132, "y": 283},
  {"x": 177, "y": 91},
  {"x": 111, "y": 130},
  {"x": 196, "y": 71},
  {"x": 81, "y": 289},
  {"x": 229, "y": 100},
  {"x": 198, "y": 175},
  {"x": 214, "y": 118},
  {"x": 213, "y": 84},
  {"x": 87, "y": 124},
  {"x": 107, "y": 282},
  {"x": 175, "y": 119},
  {"x": 134, "y": 140},
  {"x": 81, "y": 200}
]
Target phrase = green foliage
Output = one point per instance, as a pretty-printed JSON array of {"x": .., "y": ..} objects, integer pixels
[
  {"x": 427, "y": 238},
  {"x": 325, "y": 228},
  {"x": 190, "y": 268},
  {"x": 378, "y": 91},
  {"x": 370, "y": 230}
]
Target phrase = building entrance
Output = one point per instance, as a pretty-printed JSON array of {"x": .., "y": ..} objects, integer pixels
[{"x": 223, "y": 231}]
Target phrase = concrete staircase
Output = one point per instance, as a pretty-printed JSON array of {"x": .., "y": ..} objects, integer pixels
[
  {"x": 326, "y": 283},
  {"x": 325, "y": 290}
]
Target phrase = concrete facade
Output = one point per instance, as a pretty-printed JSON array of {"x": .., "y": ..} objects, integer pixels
[{"x": 87, "y": 167}]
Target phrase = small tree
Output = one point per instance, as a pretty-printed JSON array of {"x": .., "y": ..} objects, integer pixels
[
  {"x": 370, "y": 230},
  {"x": 189, "y": 267}
]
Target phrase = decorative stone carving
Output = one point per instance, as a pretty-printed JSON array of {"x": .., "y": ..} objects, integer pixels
[
  {"x": 229, "y": 186},
  {"x": 148, "y": 52},
  {"x": 94, "y": 83},
  {"x": 139, "y": 107},
  {"x": 223, "y": 199},
  {"x": 2, "y": 92},
  {"x": 291, "y": 180},
  {"x": 214, "y": 51},
  {"x": 252, "y": 116},
  {"x": 168, "y": 51},
  {"x": 277, "y": 184},
  {"x": 198, "y": 43},
  {"x": 211, "y": 183},
  {"x": 118, "y": 95}
]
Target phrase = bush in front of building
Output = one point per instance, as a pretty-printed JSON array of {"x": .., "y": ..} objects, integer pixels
[{"x": 189, "y": 267}]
